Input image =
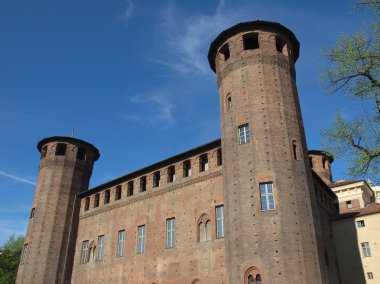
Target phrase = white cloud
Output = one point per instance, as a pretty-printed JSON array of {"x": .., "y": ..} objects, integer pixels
[
  {"x": 156, "y": 108},
  {"x": 128, "y": 11},
  {"x": 187, "y": 39},
  {"x": 17, "y": 178}
]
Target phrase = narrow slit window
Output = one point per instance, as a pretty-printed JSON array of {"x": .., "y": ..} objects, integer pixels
[
  {"x": 224, "y": 52},
  {"x": 87, "y": 204},
  {"x": 60, "y": 150},
  {"x": 156, "y": 179},
  {"x": 143, "y": 184},
  {"x": 219, "y": 159},
  {"x": 118, "y": 192},
  {"x": 171, "y": 174},
  {"x": 107, "y": 196},
  {"x": 251, "y": 41},
  {"x": 295, "y": 150},
  {"x": 186, "y": 168},
  {"x": 32, "y": 213},
  {"x": 130, "y": 188},
  {"x": 311, "y": 162},
  {"x": 228, "y": 103},
  {"x": 96, "y": 200}
]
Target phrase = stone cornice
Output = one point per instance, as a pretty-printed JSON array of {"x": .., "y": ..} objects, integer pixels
[{"x": 153, "y": 194}]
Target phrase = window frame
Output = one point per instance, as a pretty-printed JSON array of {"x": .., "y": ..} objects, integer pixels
[
  {"x": 84, "y": 257},
  {"x": 244, "y": 134},
  {"x": 219, "y": 218},
  {"x": 366, "y": 250},
  {"x": 120, "y": 243},
  {"x": 170, "y": 233},
  {"x": 360, "y": 224},
  {"x": 141, "y": 233},
  {"x": 267, "y": 196},
  {"x": 100, "y": 254}
]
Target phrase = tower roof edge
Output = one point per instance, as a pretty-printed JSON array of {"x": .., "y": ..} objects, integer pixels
[
  {"x": 69, "y": 140},
  {"x": 246, "y": 26}
]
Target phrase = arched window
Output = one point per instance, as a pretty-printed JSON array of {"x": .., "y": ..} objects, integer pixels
[
  {"x": 171, "y": 174},
  {"x": 156, "y": 179},
  {"x": 258, "y": 279},
  {"x": 204, "y": 228},
  {"x": 251, "y": 279},
  {"x": 224, "y": 52},
  {"x": 295, "y": 150},
  {"x": 281, "y": 46},
  {"x": 228, "y": 102}
]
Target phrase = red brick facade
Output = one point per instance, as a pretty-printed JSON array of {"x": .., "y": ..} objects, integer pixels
[{"x": 274, "y": 226}]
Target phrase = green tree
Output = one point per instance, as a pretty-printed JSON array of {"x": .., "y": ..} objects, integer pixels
[
  {"x": 354, "y": 68},
  {"x": 9, "y": 259}
]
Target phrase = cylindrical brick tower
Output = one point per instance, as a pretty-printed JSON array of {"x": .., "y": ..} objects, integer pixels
[
  {"x": 65, "y": 170},
  {"x": 320, "y": 162},
  {"x": 269, "y": 205}
]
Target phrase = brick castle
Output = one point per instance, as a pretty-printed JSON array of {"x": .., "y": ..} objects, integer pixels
[{"x": 242, "y": 209}]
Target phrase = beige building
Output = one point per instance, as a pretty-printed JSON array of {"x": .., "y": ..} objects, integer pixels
[
  {"x": 352, "y": 195},
  {"x": 376, "y": 190},
  {"x": 357, "y": 245}
]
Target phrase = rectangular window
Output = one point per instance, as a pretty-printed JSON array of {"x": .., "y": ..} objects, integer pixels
[
  {"x": 24, "y": 253},
  {"x": 32, "y": 213},
  {"x": 84, "y": 256},
  {"x": 120, "y": 243},
  {"x": 170, "y": 233},
  {"x": 130, "y": 188},
  {"x": 186, "y": 168},
  {"x": 156, "y": 179},
  {"x": 366, "y": 250},
  {"x": 171, "y": 174},
  {"x": 219, "y": 210},
  {"x": 360, "y": 224},
  {"x": 219, "y": 160},
  {"x": 143, "y": 184},
  {"x": 267, "y": 196},
  {"x": 99, "y": 256},
  {"x": 60, "y": 150},
  {"x": 107, "y": 196},
  {"x": 87, "y": 204},
  {"x": 244, "y": 134},
  {"x": 370, "y": 275},
  {"x": 96, "y": 200},
  {"x": 203, "y": 163},
  {"x": 349, "y": 204},
  {"x": 118, "y": 192},
  {"x": 141, "y": 239}
]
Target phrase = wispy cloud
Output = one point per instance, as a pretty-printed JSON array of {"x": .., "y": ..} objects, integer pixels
[
  {"x": 187, "y": 39},
  {"x": 17, "y": 178},
  {"x": 127, "y": 14},
  {"x": 152, "y": 108}
]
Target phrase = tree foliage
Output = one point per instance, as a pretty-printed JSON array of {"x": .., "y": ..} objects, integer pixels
[
  {"x": 9, "y": 259},
  {"x": 354, "y": 68}
]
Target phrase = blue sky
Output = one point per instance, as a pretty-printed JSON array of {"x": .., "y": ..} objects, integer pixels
[{"x": 132, "y": 78}]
